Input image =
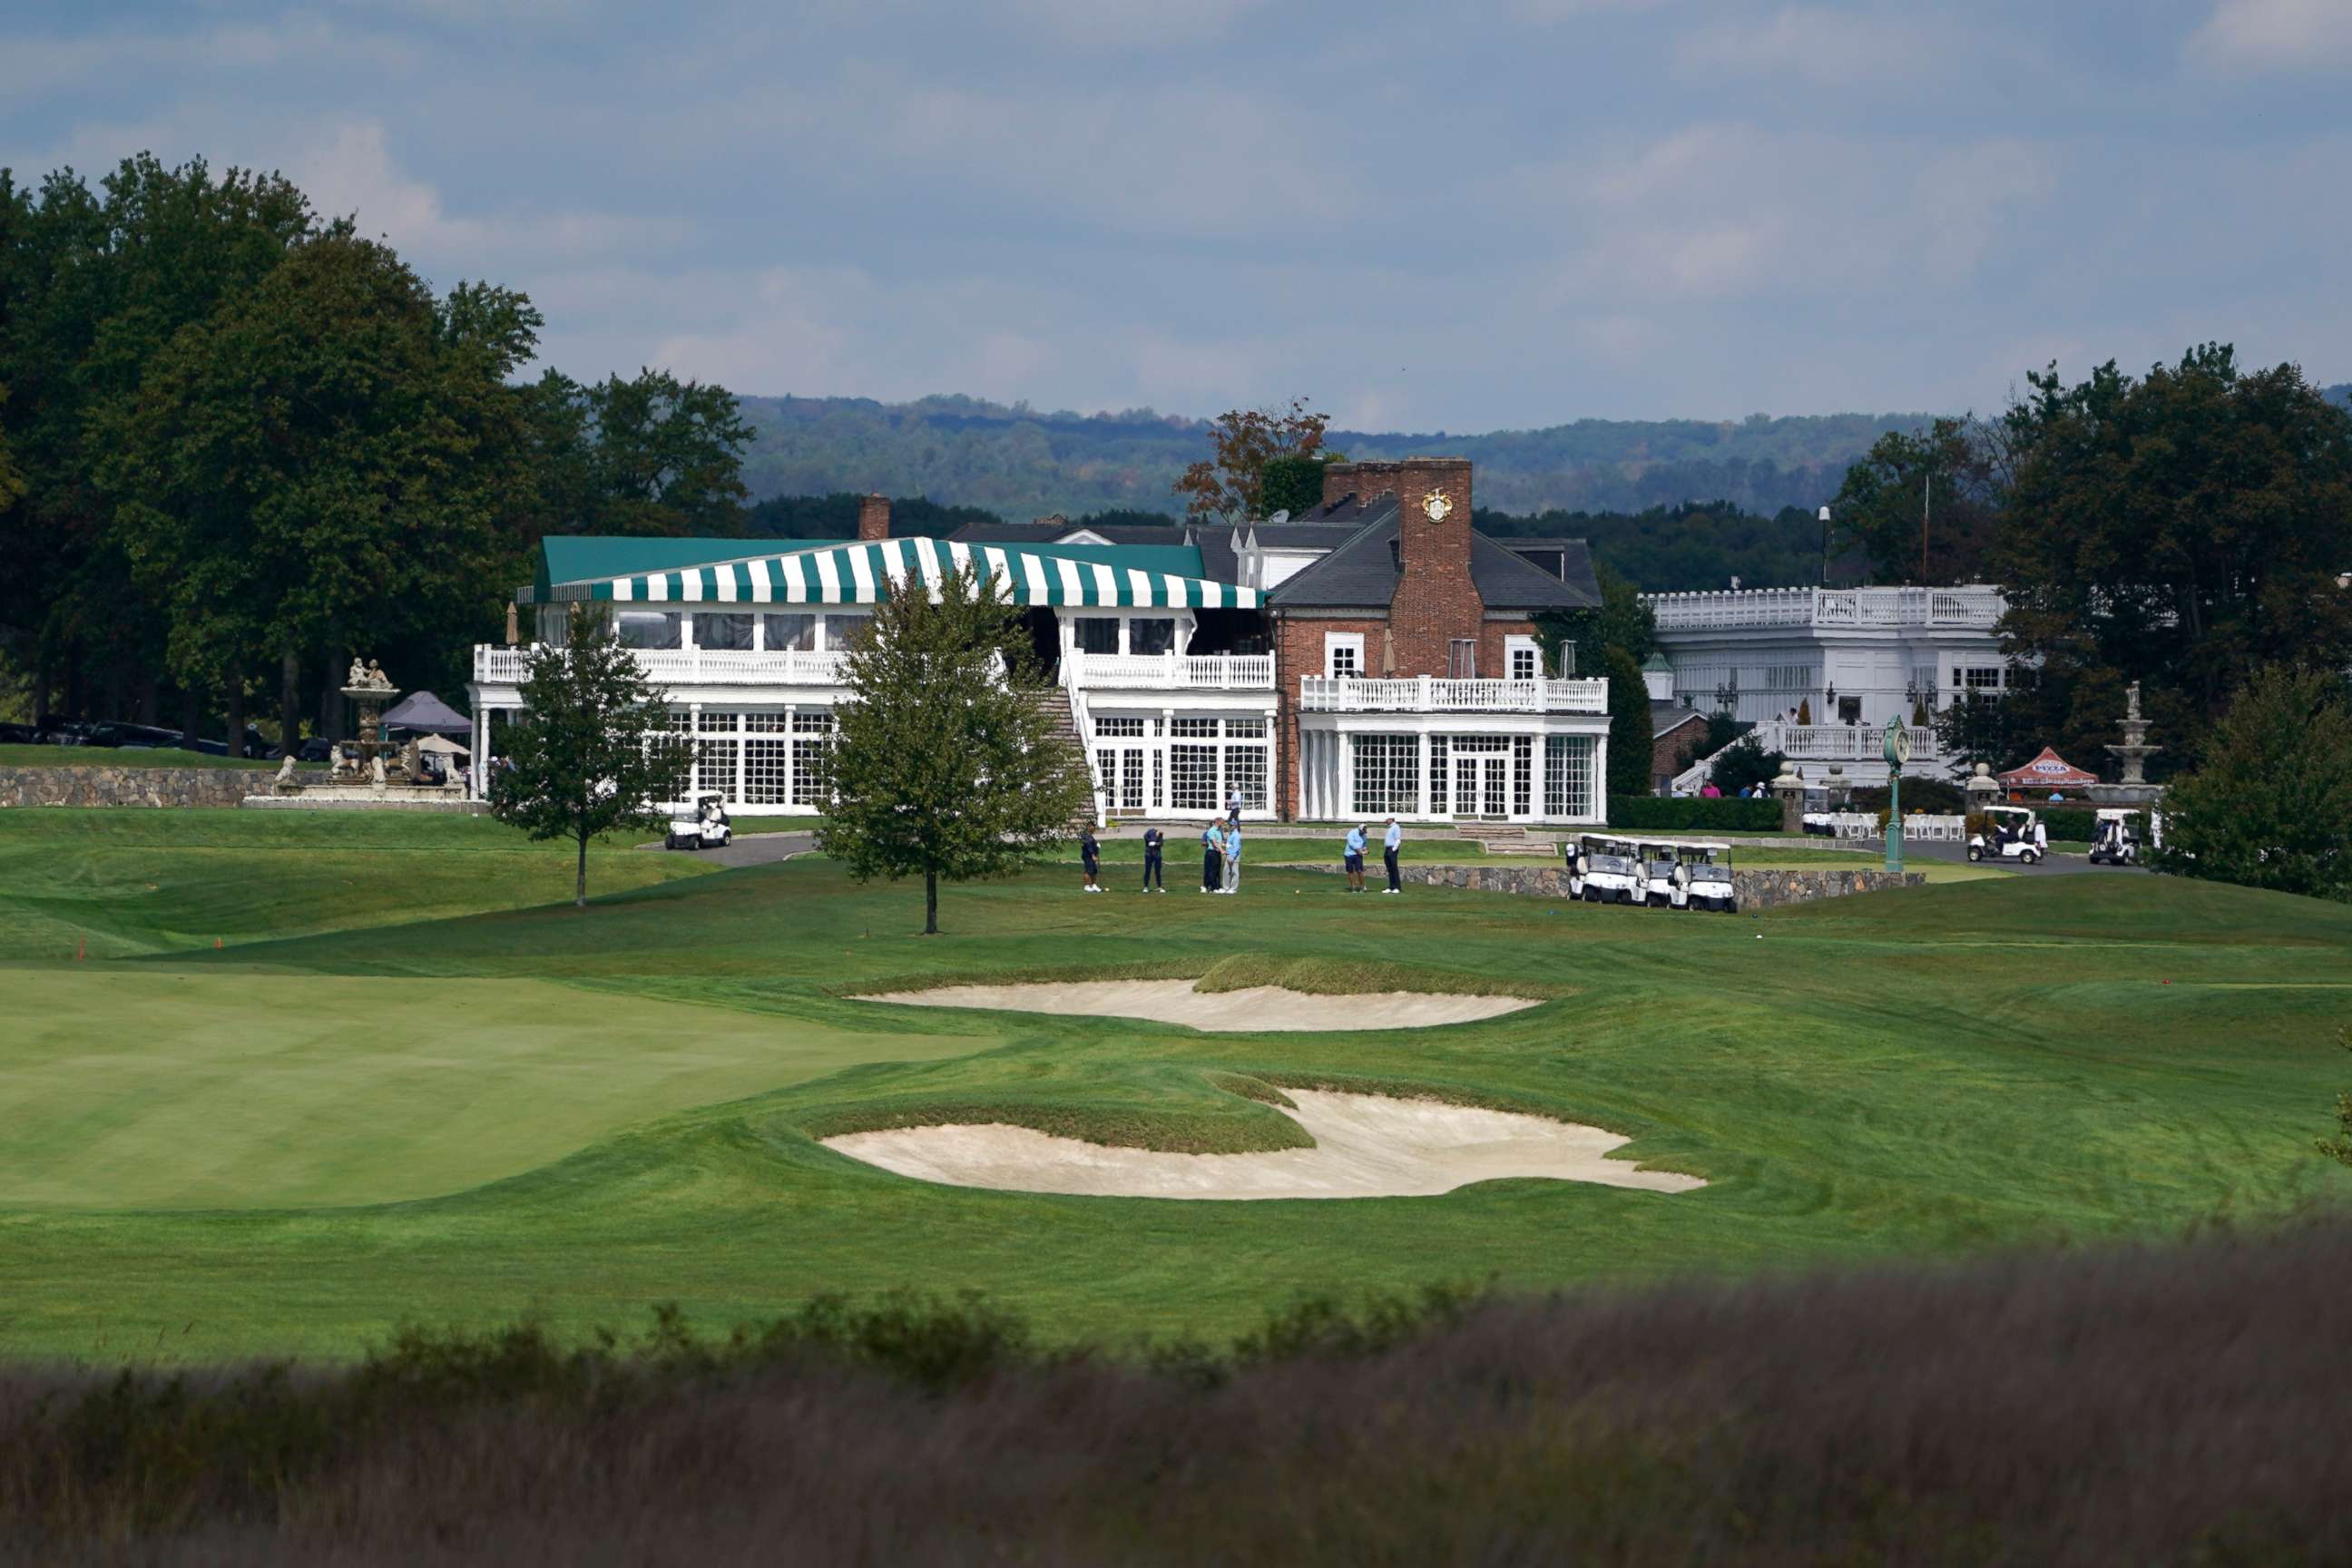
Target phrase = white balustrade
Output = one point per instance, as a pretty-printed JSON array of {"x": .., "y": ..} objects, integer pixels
[
  {"x": 1082, "y": 672},
  {"x": 1977, "y": 607},
  {"x": 1839, "y": 743},
  {"x": 685, "y": 666},
  {"x": 1434, "y": 694}
]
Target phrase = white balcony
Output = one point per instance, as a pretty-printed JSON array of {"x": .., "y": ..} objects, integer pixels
[
  {"x": 1432, "y": 694},
  {"x": 673, "y": 667},
  {"x": 1971, "y": 608},
  {"x": 1167, "y": 672}
]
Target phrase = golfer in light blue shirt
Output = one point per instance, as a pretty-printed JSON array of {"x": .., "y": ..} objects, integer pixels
[
  {"x": 1388, "y": 844},
  {"x": 1355, "y": 859},
  {"x": 1233, "y": 859}
]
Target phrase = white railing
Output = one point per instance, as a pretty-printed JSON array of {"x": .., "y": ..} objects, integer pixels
[
  {"x": 1434, "y": 694},
  {"x": 1979, "y": 607},
  {"x": 497, "y": 666},
  {"x": 1920, "y": 828},
  {"x": 1839, "y": 743},
  {"x": 1084, "y": 672}
]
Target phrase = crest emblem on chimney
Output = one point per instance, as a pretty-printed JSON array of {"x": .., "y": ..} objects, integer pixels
[{"x": 1436, "y": 505}]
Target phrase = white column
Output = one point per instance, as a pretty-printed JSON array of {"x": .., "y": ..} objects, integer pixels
[
  {"x": 481, "y": 751},
  {"x": 1421, "y": 739},
  {"x": 1600, "y": 778}
]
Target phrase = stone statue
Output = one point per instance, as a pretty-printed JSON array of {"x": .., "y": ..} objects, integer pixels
[
  {"x": 375, "y": 769},
  {"x": 2131, "y": 700},
  {"x": 358, "y": 676},
  {"x": 377, "y": 677},
  {"x": 286, "y": 771}
]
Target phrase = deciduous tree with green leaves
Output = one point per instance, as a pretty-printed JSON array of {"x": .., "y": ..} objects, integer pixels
[
  {"x": 948, "y": 763},
  {"x": 2271, "y": 804},
  {"x": 647, "y": 454},
  {"x": 593, "y": 751},
  {"x": 2181, "y": 529},
  {"x": 1921, "y": 505},
  {"x": 1622, "y": 621}
]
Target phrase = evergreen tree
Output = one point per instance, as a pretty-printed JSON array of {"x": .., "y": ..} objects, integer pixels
[
  {"x": 2271, "y": 807},
  {"x": 1629, "y": 736},
  {"x": 592, "y": 753},
  {"x": 948, "y": 763}
]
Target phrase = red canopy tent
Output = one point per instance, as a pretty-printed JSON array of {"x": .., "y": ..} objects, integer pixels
[{"x": 2048, "y": 772}]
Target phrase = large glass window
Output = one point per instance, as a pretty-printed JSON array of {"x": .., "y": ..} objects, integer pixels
[
  {"x": 1388, "y": 774},
  {"x": 1151, "y": 634},
  {"x": 1568, "y": 776},
  {"x": 843, "y": 628},
  {"x": 1462, "y": 658},
  {"x": 812, "y": 757},
  {"x": 1095, "y": 633},
  {"x": 647, "y": 628},
  {"x": 722, "y": 632},
  {"x": 792, "y": 632}
]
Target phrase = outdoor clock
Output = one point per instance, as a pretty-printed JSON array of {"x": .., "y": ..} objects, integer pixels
[{"x": 1898, "y": 741}]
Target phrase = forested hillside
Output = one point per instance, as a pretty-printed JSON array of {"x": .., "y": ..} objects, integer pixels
[{"x": 1021, "y": 463}]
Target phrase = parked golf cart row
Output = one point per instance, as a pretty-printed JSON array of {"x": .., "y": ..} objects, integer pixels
[{"x": 1667, "y": 873}]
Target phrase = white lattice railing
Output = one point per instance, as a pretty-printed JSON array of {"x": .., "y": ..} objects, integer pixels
[
  {"x": 1435, "y": 694},
  {"x": 1977, "y": 607},
  {"x": 1839, "y": 743},
  {"x": 1167, "y": 672},
  {"x": 686, "y": 667}
]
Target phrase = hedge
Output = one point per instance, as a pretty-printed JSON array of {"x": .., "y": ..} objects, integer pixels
[{"x": 1693, "y": 814}]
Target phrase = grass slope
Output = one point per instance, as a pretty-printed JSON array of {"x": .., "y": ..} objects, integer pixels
[{"x": 1927, "y": 1072}]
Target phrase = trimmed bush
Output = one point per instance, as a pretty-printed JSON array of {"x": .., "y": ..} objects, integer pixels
[{"x": 1662, "y": 815}]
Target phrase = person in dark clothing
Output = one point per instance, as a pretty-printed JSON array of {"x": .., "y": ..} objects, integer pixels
[
  {"x": 1213, "y": 860},
  {"x": 1091, "y": 853},
  {"x": 1154, "y": 879}
]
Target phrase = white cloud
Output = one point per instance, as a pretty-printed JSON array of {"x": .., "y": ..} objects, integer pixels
[
  {"x": 2262, "y": 35},
  {"x": 1813, "y": 44}
]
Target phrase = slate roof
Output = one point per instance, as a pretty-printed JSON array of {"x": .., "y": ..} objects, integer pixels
[
  {"x": 1362, "y": 574},
  {"x": 1665, "y": 717}
]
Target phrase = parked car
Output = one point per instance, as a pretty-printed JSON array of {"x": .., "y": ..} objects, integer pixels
[
  {"x": 19, "y": 735},
  {"x": 116, "y": 733},
  {"x": 317, "y": 749}
]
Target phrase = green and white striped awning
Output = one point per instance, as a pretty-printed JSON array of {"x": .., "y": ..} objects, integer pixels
[{"x": 864, "y": 573}]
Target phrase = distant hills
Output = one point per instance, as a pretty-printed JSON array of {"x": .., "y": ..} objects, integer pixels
[{"x": 1019, "y": 462}]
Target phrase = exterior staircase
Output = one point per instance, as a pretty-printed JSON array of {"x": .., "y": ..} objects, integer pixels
[
  {"x": 1504, "y": 838},
  {"x": 1054, "y": 701}
]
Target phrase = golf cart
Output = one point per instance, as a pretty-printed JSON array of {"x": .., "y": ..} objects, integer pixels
[
  {"x": 1602, "y": 869},
  {"x": 1703, "y": 877},
  {"x": 2119, "y": 841},
  {"x": 700, "y": 824},
  {"x": 2018, "y": 835},
  {"x": 1658, "y": 887}
]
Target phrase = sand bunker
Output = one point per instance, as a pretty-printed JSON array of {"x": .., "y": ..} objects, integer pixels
[
  {"x": 1256, "y": 1008},
  {"x": 1366, "y": 1146}
]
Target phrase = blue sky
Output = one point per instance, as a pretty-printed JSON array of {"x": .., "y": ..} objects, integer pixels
[{"x": 1460, "y": 216}]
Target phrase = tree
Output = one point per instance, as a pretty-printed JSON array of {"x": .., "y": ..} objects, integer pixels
[
  {"x": 1292, "y": 483},
  {"x": 2271, "y": 804},
  {"x": 1978, "y": 727},
  {"x": 1921, "y": 505},
  {"x": 648, "y": 455},
  {"x": 592, "y": 753},
  {"x": 1630, "y": 741},
  {"x": 948, "y": 763},
  {"x": 1229, "y": 486},
  {"x": 2339, "y": 1148},
  {"x": 322, "y": 464},
  {"x": 1622, "y": 621},
  {"x": 2181, "y": 530},
  {"x": 12, "y": 478},
  {"x": 1744, "y": 764}
]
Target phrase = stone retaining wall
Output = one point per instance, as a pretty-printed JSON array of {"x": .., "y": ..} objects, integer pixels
[
  {"x": 1757, "y": 889},
  {"x": 134, "y": 786}
]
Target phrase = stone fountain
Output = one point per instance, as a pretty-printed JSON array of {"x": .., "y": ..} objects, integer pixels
[
  {"x": 368, "y": 770},
  {"x": 2133, "y": 754}
]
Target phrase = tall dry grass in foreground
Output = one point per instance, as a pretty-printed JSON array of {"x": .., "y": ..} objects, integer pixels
[{"x": 2184, "y": 1406}]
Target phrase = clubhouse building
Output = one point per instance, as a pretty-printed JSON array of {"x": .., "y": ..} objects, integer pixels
[{"x": 1376, "y": 656}]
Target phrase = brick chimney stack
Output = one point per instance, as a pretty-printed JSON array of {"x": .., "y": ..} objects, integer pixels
[
  {"x": 873, "y": 518},
  {"x": 1436, "y": 601},
  {"x": 1364, "y": 480}
]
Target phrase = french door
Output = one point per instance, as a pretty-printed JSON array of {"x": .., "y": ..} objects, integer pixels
[{"x": 1482, "y": 784}]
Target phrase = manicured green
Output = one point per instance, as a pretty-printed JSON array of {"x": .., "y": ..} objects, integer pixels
[{"x": 1934, "y": 1071}]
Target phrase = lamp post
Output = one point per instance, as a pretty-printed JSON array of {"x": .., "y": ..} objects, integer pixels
[
  {"x": 1825, "y": 547},
  {"x": 1897, "y": 752}
]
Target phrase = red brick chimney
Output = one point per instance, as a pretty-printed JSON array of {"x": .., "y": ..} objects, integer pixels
[
  {"x": 1436, "y": 602},
  {"x": 874, "y": 517},
  {"x": 1364, "y": 480}
]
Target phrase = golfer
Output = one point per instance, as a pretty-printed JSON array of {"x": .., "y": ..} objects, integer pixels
[
  {"x": 1091, "y": 853},
  {"x": 1357, "y": 839},
  {"x": 1213, "y": 860},
  {"x": 1154, "y": 881},
  {"x": 1389, "y": 845},
  {"x": 1233, "y": 859}
]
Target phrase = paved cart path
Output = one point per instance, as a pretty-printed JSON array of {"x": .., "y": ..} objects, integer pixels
[{"x": 747, "y": 849}]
